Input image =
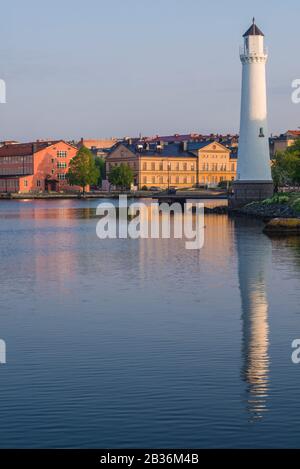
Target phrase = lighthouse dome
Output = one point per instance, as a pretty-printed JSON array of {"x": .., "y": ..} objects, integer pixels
[{"x": 253, "y": 30}]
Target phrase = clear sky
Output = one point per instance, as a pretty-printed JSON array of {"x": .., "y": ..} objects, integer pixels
[{"x": 99, "y": 68}]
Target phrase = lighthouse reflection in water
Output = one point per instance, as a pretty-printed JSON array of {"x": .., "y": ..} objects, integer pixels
[{"x": 252, "y": 269}]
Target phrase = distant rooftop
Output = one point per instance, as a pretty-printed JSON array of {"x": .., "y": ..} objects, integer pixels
[
  {"x": 193, "y": 137},
  {"x": 174, "y": 138},
  {"x": 152, "y": 149},
  {"x": 180, "y": 149}
]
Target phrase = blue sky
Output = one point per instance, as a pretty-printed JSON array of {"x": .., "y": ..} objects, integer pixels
[{"x": 98, "y": 68}]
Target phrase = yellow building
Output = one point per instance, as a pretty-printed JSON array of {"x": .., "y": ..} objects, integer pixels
[
  {"x": 180, "y": 165},
  {"x": 215, "y": 164}
]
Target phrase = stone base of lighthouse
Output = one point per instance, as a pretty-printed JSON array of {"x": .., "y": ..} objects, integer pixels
[{"x": 245, "y": 192}]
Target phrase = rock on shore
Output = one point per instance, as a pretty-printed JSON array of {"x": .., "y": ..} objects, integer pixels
[
  {"x": 257, "y": 209},
  {"x": 283, "y": 226}
]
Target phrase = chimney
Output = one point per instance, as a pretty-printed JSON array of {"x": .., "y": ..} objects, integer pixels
[
  {"x": 185, "y": 145},
  {"x": 159, "y": 147}
]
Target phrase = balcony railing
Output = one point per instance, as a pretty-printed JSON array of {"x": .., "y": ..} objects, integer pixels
[{"x": 244, "y": 52}]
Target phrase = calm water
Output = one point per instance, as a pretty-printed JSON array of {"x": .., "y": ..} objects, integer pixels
[{"x": 124, "y": 343}]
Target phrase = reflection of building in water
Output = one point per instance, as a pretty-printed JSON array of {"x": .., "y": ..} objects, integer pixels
[
  {"x": 54, "y": 236},
  {"x": 254, "y": 253},
  {"x": 218, "y": 240}
]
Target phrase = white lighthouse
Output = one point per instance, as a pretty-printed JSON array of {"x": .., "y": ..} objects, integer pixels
[{"x": 254, "y": 180}]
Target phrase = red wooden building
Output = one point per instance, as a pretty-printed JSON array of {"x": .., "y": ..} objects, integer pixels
[{"x": 36, "y": 167}]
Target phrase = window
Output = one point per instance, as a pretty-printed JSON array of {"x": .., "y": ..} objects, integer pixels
[
  {"x": 161, "y": 166},
  {"x": 61, "y": 165},
  {"x": 38, "y": 183},
  {"x": 153, "y": 180},
  {"x": 184, "y": 167},
  {"x": 61, "y": 154},
  {"x": 25, "y": 183},
  {"x": 145, "y": 166},
  {"x": 177, "y": 167},
  {"x": 61, "y": 177},
  {"x": 261, "y": 132},
  {"x": 153, "y": 166},
  {"x": 145, "y": 180},
  {"x": 177, "y": 179}
]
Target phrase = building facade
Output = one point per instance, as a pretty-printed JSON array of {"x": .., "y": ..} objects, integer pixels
[
  {"x": 99, "y": 147},
  {"x": 180, "y": 165},
  {"x": 36, "y": 167},
  {"x": 216, "y": 163},
  {"x": 283, "y": 141}
]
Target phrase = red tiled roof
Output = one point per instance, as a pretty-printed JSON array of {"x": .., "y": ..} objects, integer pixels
[
  {"x": 294, "y": 132},
  {"x": 24, "y": 149}
]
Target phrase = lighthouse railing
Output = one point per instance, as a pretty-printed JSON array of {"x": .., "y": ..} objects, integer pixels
[{"x": 244, "y": 52}]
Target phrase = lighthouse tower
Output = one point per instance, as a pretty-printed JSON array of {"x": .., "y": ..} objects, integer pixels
[{"x": 254, "y": 180}]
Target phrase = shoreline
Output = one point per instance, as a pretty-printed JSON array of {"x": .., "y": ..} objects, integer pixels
[
  {"x": 266, "y": 212},
  {"x": 253, "y": 210},
  {"x": 218, "y": 195}
]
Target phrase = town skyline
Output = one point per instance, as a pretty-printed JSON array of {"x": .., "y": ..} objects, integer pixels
[{"x": 131, "y": 72}]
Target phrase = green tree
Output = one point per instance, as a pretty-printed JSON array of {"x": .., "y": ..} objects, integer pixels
[
  {"x": 286, "y": 166},
  {"x": 280, "y": 173},
  {"x": 121, "y": 176},
  {"x": 100, "y": 164},
  {"x": 83, "y": 171}
]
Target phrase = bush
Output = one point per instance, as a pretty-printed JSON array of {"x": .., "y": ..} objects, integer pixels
[
  {"x": 144, "y": 188},
  {"x": 277, "y": 199},
  {"x": 296, "y": 205}
]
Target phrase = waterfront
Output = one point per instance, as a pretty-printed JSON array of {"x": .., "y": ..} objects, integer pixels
[{"x": 123, "y": 343}]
